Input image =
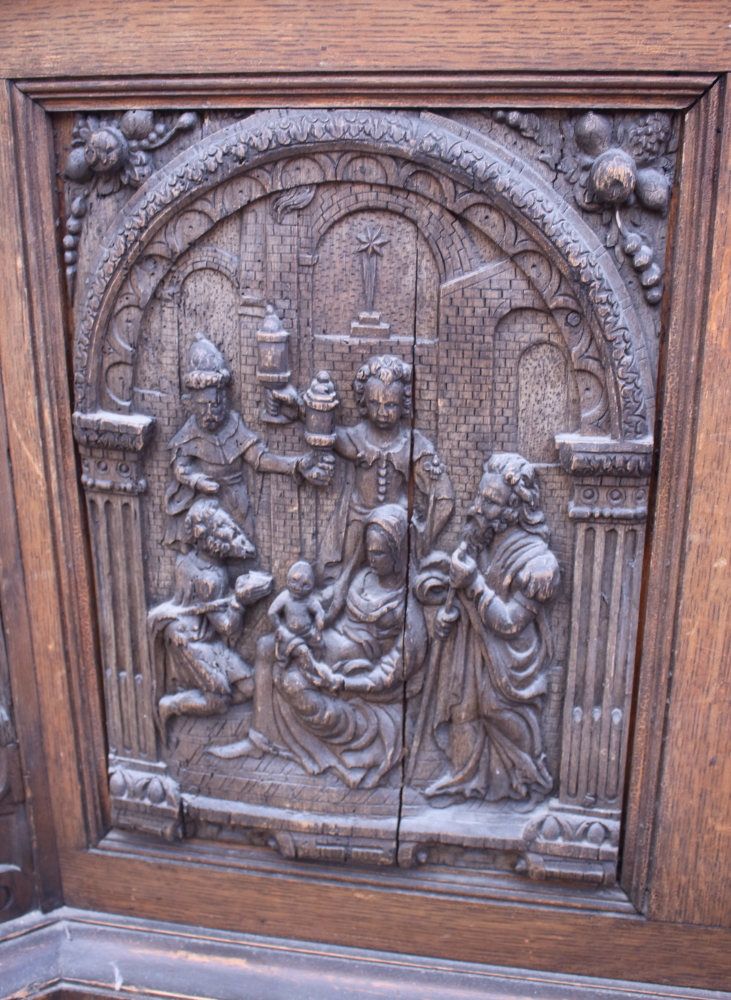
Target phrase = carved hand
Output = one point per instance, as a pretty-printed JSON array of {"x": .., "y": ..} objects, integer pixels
[
  {"x": 317, "y": 469},
  {"x": 444, "y": 621},
  {"x": 537, "y": 579},
  {"x": 206, "y": 485},
  {"x": 463, "y": 570},
  {"x": 289, "y": 397},
  {"x": 252, "y": 586},
  {"x": 319, "y": 673}
]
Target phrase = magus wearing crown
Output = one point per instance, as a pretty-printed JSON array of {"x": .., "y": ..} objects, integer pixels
[{"x": 210, "y": 449}]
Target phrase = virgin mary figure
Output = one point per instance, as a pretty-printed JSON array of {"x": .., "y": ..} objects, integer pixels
[{"x": 337, "y": 705}]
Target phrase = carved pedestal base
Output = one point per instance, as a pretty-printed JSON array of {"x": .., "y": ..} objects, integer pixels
[
  {"x": 575, "y": 845},
  {"x": 369, "y": 325},
  {"x": 307, "y": 836},
  {"x": 144, "y": 798},
  {"x": 540, "y": 868}
]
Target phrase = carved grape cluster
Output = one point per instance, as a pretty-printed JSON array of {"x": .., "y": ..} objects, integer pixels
[
  {"x": 618, "y": 168},
  {"x": 107, "y": 154}
]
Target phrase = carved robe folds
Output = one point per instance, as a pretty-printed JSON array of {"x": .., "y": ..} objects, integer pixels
[
  {"x": 391, "y": 618},
  {"x": 488, "y": 705}
]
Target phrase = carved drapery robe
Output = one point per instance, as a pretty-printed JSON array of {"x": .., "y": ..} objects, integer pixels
[
  {"x": 379, "y": 475},
  {"x": 493, "y": 677},
  {"x": 193, "y": 648},
  {"x": 219, "y": 455}
]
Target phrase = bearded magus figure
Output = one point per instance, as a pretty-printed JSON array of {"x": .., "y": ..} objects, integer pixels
[
  {"x": 212, "y": 447},
  {"x": 492, "y": 679},
  {"x": 193, "y": 634}
]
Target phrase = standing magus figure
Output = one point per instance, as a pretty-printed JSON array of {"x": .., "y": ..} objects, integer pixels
[
  {"x": 385, "y": 451},
  {"x": 210, "y": 450}
]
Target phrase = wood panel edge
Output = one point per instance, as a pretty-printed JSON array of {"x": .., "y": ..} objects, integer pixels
[
  {"x": 691, "y": 248},
  {"x": 396, "y": 89},
  {"x": 48, "y": 506},
  {"x": 607, "y": 946},
  {"x": 693, "y": 826},
  {"x": 79, "y": 950}
]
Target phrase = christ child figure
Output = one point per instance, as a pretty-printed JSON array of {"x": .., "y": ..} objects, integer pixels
[{"x": 296, "y": 613}]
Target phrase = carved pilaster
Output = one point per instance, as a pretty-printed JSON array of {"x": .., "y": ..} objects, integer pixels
[
  {"x": 610, "y": 513},
  {"x": 111, "y": 447}
]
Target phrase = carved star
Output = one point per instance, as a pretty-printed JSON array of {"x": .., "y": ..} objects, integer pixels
[{"x": 372, "y": 241}]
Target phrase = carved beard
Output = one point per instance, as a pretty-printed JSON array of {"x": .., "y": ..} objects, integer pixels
[
  {"x": 210, "y": 422},
  {"x": 216, "y": 547},
  {"x": 478, "y": 533}
]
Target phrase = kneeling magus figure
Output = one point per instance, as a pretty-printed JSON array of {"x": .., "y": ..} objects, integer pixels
[{"x": 193, "y": 634}]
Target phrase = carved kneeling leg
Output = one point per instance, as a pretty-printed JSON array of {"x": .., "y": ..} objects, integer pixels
[{"x": 193, "y": 702}]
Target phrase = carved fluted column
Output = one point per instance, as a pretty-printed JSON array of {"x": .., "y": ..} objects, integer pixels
[
  {"x": 111, "y": 446},
  {"x": 609, "y": 510}
]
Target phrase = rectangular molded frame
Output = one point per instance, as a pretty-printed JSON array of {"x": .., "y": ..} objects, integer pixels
[{"x": 504, "y": 921}]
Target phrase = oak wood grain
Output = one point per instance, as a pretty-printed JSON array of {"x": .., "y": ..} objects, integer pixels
[
  {"x": 30, "y": 245},
  {"x": 408, "y": 922},
  {"x": 19, "y": 643},
  {"x": 14, "y": 587},
  {"x": 690, "y": 265},
  {"x": 689, "y": 878},
  {"x": 35, "y": 157},
  {"x": 105, "y": 37},
  {"x": 396, "y": 89},
  {"x": 154, "y": 959}
]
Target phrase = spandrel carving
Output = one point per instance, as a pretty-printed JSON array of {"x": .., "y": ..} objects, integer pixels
[{"x": 365, "y": 403}]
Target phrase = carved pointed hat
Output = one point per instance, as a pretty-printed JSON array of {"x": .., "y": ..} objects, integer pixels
[{"x": 206, "y": 365}]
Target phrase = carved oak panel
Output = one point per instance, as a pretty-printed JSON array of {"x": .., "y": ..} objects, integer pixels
[{"x": 364, "y": 406}]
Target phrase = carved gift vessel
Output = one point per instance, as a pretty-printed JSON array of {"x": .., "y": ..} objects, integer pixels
[{"x": 368, "y": 561}]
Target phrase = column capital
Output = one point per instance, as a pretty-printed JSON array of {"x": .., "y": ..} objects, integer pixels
[
  {"x": 604, "y": 456},
  {"x": 110, "y": 446},
  {"x": 112, "y": 432}
]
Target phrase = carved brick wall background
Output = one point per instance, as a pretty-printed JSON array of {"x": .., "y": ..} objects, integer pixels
[{"x": 452, "y": 684}]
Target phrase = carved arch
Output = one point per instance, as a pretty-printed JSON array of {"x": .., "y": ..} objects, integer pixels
[
  {"x": 201, "y": 259},
  {"x": 452, "y": 257},
  {"x": 468, "y": 159}
]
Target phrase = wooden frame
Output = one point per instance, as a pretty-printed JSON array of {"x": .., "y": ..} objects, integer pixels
[
  {"x": 52, "y": 619},
  {"x": 78, "y": 955}
]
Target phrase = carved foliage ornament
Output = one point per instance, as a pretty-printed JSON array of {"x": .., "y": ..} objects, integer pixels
[
  {"x": 107, "y": 154},
  {"x": 370, "y": 551}
]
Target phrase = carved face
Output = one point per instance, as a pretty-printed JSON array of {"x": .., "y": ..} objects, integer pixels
[
  {"x": 491, "y": 503},
  {"x": 379, "y": 551},
  {"x": 384, "y": 403},
  {"x": 300, "y": 580},
  {"x": 210, "y": 407},
  {"x": 224, "y": 538}
]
